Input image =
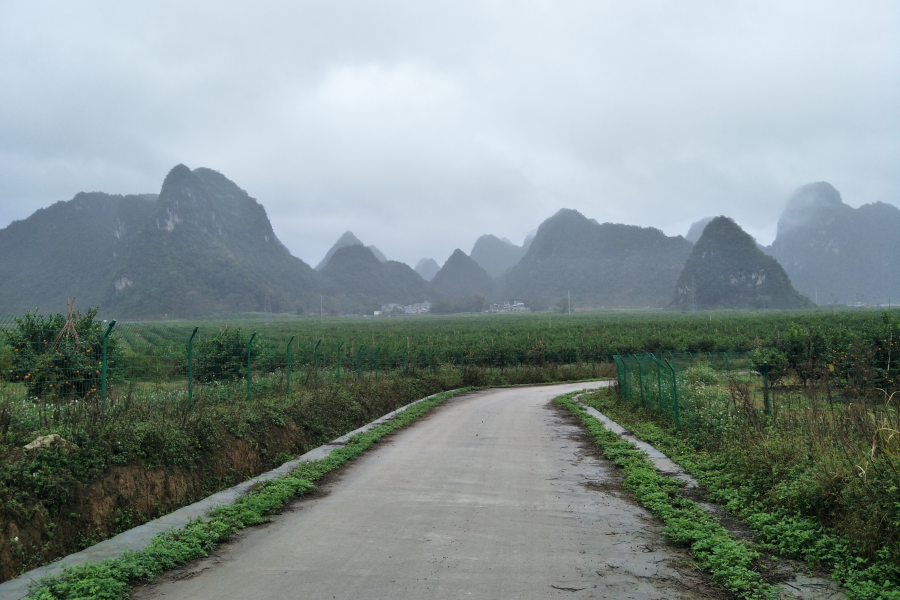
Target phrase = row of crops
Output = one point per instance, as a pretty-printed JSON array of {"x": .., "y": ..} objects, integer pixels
[{"x": 79, "y": 356}]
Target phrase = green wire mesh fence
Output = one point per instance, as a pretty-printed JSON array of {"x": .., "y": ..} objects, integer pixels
[
  {"x": 62, "y": 364},
  {"x": 65, "y": 363},
  {"x": 685, "y": 385}
]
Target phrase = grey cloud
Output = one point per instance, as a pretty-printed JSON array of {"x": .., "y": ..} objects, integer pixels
[{"x": 421, "y": 126}]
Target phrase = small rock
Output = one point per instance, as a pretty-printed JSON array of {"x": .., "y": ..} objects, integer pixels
[{"x": 48, "y": 441}]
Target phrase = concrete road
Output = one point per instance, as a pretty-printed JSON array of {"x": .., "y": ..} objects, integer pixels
[{"x": 495, "y": 494}]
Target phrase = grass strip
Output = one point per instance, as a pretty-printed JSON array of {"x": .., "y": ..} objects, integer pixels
[
  {"x": 111, "y": 579},
  {"x": 780, "y": 532},
  {"x": 727, "y": 561}
]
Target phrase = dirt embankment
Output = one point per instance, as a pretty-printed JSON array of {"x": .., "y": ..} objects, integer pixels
[{"x": 129, "y": 495}]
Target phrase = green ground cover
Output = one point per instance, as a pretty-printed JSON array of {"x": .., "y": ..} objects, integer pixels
[{"x": 810, "y": 482}]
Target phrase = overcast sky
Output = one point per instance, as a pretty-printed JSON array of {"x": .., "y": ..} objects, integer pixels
[{"x": 420, "y": 126}]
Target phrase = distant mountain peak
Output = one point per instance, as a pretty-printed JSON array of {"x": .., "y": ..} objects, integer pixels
[
  {"x": 496, "y": 255},
  {"x": 427, "y": 268},
  {"x": 837, "y": 253},
  {"x": 207, "y": 248},
  {"x": 461, "y": 276},
  {"x": 347, "y": 239},
  {"x": 726, "y": 269},
  {"x": 603, "y": 264},
  {"x": 355, "y": 272},
  {"x": 568, "y": 214},
  {"x": 206, "y": 199},
  {"x": 696, "y": 229},
  {"x": 807, "y": 204}
]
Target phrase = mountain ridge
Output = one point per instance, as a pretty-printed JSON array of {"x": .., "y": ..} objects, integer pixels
[
  {"x": 601, "y": 264},
  {"x": 836, "y": 252},
  {"x": 209, "y": 248},
  {"x": 726, "y": 269},
  {"x": 204, "y": 246},
  {"x": 40, "y": 267},
  {"x": 359, "y": 280}
]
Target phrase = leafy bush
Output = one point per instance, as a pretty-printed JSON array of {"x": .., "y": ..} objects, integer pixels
[
  {"x": 50, "y": 362},
  {"x": 774, "y": 359},
  {"x": 222, "y": 356}
]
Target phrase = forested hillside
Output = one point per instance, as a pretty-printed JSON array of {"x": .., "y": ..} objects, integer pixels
[
  {"x": 726, "y": 269},
  {"x": 68, "y": 249},
  {"x": 208, "y": 248},
  {"x": 600, "y": 264},
  {"x": 359, "y": 281},
  {"x": 838, "y": 253}
]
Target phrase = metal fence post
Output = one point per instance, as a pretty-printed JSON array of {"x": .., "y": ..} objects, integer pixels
[
  {"x": 252, "y": 337},
  {"x": 766, "y": 385},
  {"x": 103, "y": 363},
  {"x": 291, "y": 341},
  {"x": 338, "y": 375},
  {"x": 675, "y": 395},
  {"x": 191, "y": 370}
]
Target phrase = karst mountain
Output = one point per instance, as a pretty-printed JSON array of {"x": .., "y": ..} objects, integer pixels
[
  {"x": 726, "y": 269},
  {"x": 838, "y": 254},
  {"x": 604, "y": 264},
  {"x": 203, "y": 247}
]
